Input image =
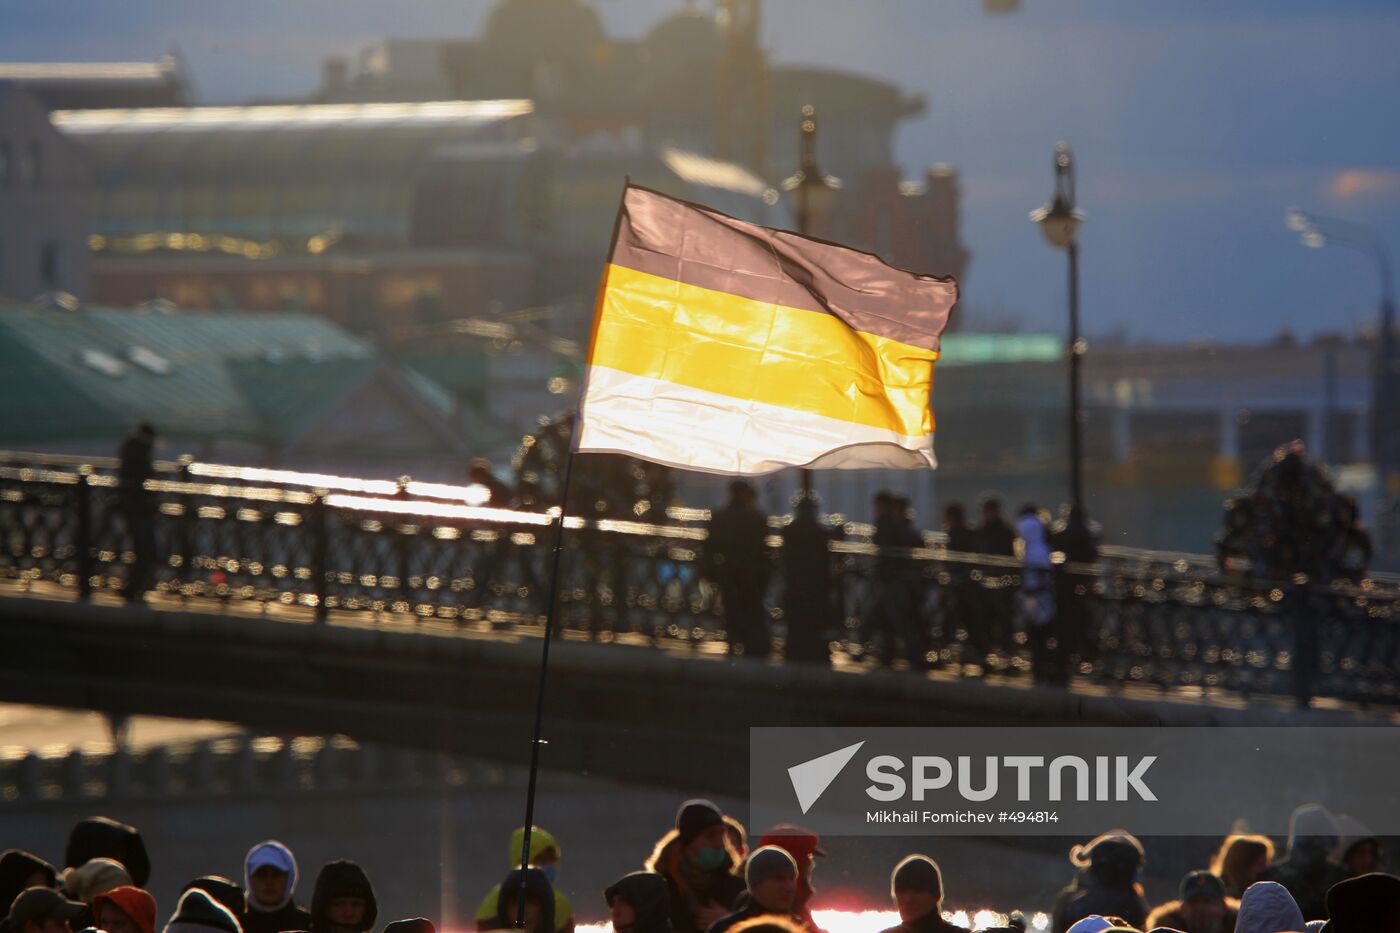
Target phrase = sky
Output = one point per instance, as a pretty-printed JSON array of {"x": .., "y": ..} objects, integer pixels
[{"x": 1194, "y": 124}]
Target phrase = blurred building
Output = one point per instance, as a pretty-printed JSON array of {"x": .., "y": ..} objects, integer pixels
[
  {"x": 44, "y": 212},
  {"x": 385, "y": 217},
  {"x": 1169, "y": 430},
  {"x": 275, "y": 389},
  {"x": 91, "y": 85},
  {"x": 698, "y": 81}
]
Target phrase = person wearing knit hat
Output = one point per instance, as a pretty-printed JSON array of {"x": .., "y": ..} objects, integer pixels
[
  {"x": 226, "y": 892},
  {"x": 198, "y": 912},
  {"x": 94, "y": 877},
  {"x": 1368, "y": 904},
  {"x": 771, "y": 875},
  {"x": 699, "y": 866},
  {"x": 126, "y": 909},
  {"x": 270, "y": 876},
  {"x": 916, "y": 885},
  {"x": 1106, "y": 884},
  {"x": 1201, "y": 906},
  {"x": 805, "y": 848}
]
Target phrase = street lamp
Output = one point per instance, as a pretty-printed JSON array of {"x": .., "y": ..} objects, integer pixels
[
  {"x": 1317, "y": 231},
  {"x": 815, "y": 194},
  {"x": 1059, "y": 221}
]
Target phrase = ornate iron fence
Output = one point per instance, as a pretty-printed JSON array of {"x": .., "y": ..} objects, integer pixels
[{"x": 310, "y": 546}]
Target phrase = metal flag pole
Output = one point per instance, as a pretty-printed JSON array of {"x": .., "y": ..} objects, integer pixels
[{"x": 550, "y": 613}]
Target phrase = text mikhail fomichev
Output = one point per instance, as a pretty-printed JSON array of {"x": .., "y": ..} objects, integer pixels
[{"x": 1107, "y": 778}]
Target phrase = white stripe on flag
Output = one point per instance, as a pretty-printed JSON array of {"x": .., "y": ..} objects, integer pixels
[{"x": 699, "y": 430}]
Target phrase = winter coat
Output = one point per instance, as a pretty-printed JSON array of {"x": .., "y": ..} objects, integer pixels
[
  {"x": 996, "y": 538},
  {"x": 736, "y": 552},
  {"x": 647, "y": 892},
  {"x": 931, "y": 922},
  {"x": 1169, "y": 915},
  {"x": 1306, "y": 869},
  {"x": 721, "y": 886},
  {"x": 342, "y": 879},
  {"x": 1087, "y": 897},
  {"x": 287, "y": 917}
]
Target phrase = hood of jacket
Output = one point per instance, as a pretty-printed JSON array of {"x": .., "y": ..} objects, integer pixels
[
  {"x": 539, "y": 841},
  {"x": 1312, "y": 832},
  {"x": 342, "y": 879},
  {"x": 16, "y": 866},
  {"x": 137, "y": 904},
  {"x": 100, "y": 837},
  {"x": 223, "y": 890},
  {"x": 1267, "y": 907},
  {"x": 278, "y": 856},
  {"x": 650, "y": 898},
  {"x": 1351, "y": 832},
  {"x": 536, "y": 886}
]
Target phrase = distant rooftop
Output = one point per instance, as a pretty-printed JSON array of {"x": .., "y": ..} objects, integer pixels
[
  {"x": 97, "y": 85},
  {"x": 696, "y": 169},
  {"x": 284, "y": 117},
  {"x": 84, "y": 71}
]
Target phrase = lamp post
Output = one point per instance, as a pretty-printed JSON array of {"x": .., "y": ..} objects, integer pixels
[
  {"x": 815, "y": 193},
  {"x": 1059, "y": 221},
  {"x": 1317, "y": 231}
]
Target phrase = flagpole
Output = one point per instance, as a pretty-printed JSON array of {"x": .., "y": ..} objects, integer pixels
[{"x": 550, "y": 612}]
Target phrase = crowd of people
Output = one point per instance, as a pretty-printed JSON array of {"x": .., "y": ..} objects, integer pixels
[
  {"x": 702, "y": 877},
  {"x": 894, "y": 612},
  {"x": 1293, "y": 521}
]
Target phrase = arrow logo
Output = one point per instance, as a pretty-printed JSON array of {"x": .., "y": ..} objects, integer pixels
[{"x": 811, "y": 778}]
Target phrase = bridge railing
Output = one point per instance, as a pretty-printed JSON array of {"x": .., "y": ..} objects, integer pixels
[{"x": 419, "y": 554}]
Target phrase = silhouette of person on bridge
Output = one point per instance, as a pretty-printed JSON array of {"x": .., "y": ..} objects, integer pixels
[
  {"x": 807, "y": 590},
  {"x": 736, "y": 560},
  {"x": 138, "y": 506}
]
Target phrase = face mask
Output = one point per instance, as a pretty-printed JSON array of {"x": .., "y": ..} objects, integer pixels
[
  {"x": 709, "y": 859},
  {"x": 549, "y": 871}
]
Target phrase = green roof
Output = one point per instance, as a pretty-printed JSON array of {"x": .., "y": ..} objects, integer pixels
[
  {"x": 981, "y": 349},
  {"x": 91, "y": 374}
]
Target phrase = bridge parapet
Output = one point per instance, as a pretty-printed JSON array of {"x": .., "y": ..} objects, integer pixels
[{"x": 308, "y": 546}]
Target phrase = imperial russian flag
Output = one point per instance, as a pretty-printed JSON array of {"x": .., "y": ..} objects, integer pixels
[{"x": 724, "y": 346}]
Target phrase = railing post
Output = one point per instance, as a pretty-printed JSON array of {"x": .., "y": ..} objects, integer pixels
[
  {"x": 403, "y": 542},
  {"x": 82, "y": 535},
  {"x": 320, "y": 550}
]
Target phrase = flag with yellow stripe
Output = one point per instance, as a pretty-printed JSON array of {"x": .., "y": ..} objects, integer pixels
[{"x": 724, "y": 346}]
